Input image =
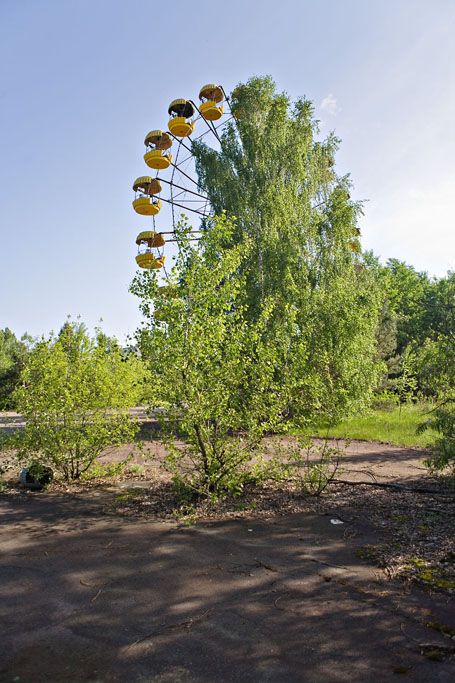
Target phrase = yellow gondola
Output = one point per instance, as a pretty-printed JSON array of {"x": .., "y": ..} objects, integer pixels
[
  {"x": 147, "y": 185},
  {"x": 145, "y": 204},
  {"x": 150, "y": 261},
  {"x": 157, "y": 143},
  {"x": 211, "y": 95},
  {"x": 150, "y": 238},
  {"x": 181, "y": 112}
]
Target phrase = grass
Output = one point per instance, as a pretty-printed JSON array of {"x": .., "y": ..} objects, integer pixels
[{"x": 397, "y": 427}]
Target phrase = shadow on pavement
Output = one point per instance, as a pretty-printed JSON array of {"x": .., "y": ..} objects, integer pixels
[{"x": 91, "y": 597}]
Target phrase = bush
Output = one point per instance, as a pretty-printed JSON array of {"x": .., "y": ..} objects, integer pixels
[
  {"x": 443, "y": 450},
  {"x": 75, "y": 396},
  {"x": 13, "y": 354},
  {"x": 212, "y": 472},
  {"x": 213, "y": 373},
  {"x": 98, "y": 470},
  {"x": 386, "y": 401},
  {"x": 312, "y": 465},
  {"x": 435, "y": 367}
]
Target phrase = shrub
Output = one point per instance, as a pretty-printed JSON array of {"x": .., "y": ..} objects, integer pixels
[
  {"x": 442, "y": 451},
  {"x": 213, "y": 371},
  {"x": 315, "y": 464},
  {"x": 75, "y": 396},
  {"x": 13, "y": 354},
  {"x": 386, "y": 400}
]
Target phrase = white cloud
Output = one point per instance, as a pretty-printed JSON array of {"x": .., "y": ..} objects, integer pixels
[
  {"x": 330, "y": 105},
  {"x": 414, "y": 223}
]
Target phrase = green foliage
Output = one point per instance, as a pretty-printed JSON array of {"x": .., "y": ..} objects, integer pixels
[
  {"x": 39, "y": 475},
  {"x": 406, "y": 291},
  {"x": 395, "y": 426},
  {"x": 435, "y": 355},
  {"x": 136, "y": 470},
  {"x": 424, "y": 315},
  {"x": 74, "y": 394},
  {"x": 386, "y": 400},
  {"x": 271, "y": 319},
  {"x": 213, "y": 370},
  {"x": 434, "y": 365},
  {"x": 314, "y": 464},
  {"x": 443, "y": 449},
  {"x": 279, "y": 181},
  {"x": 386, "y": 339},
  {"x": 13, "y": 354},
  {"x": 405, "y": 384},
  {"x": 98, "y": 470},
  {"x": 438, "y": 319}
]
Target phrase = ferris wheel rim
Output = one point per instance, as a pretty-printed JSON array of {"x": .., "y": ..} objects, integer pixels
[{"x": 185, "y": 114}]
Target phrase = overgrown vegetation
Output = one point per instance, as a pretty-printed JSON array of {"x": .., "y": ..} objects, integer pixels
[
  {"x": 275, "y": 321},
  {"x": 313, "y": 466},
  {"x": 416, "y": 342},
  {"x": 271, "y": 319},
  {"x": 279, "y": 181},
  {"x": 13, "y": 354},
  {"x": 213, "y": 372},
  {"x": 442, "y": 451},
  {"x": 397, "y": 425},
  {"x": 417, "y": 332},
  {"x": 74, "y": 394}
]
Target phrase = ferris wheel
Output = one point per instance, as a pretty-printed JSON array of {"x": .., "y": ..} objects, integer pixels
[{"x": 169, "y": 154}]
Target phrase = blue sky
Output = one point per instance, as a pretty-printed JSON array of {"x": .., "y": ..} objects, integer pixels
[{"x": 82, "y": 81}]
